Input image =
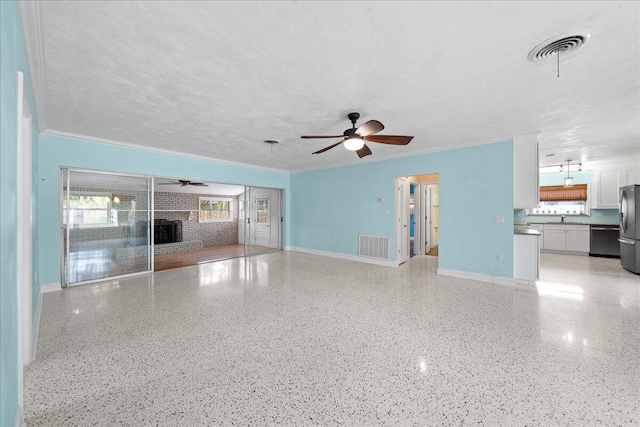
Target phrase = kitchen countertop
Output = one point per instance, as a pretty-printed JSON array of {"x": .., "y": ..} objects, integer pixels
[
  {"x": 568, "y": 223},
  {"x": 525, "y": 230}
]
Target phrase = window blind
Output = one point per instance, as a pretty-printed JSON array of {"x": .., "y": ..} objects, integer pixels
[{"x": 559, "y": 193}]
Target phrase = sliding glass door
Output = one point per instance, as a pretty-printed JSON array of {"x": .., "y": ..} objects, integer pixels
[
  {"x": 263, "y": 222},
  {"x": 105, "y": 225}
]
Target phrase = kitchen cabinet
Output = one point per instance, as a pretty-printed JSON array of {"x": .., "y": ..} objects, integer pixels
[
  {"x": 526, "y": 174},
  {"x": 608, "y": 183},
  {"x": 566, "y": 238},
  {"x": 526, "y": 258},
  {"x": 632, "y": 176}
]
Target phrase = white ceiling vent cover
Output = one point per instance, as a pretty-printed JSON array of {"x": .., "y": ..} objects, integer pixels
[{"x": 562, "y": 44}]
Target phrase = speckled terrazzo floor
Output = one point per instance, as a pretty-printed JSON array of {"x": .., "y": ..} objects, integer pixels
[{"x": 296, "y": 339}]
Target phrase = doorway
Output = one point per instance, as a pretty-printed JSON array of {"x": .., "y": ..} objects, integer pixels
[
  {"x": 417, "y": 210},
  {"x": 402, "y": 219},
  {"x": 263, "y": 225},
  {"x": 431, "y": 219}
]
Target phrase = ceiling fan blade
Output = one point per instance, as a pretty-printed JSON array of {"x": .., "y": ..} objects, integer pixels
[
  {"x": 364, "y": 151},
  {"x": 321, "y": 136},
  {"x": 198, "y": 184},
  {"x": 389, "y": 139},
  {"x": 371, "y": 127},
  {"x": 329, "y": 147}
]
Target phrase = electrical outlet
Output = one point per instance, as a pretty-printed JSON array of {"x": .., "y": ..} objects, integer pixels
[
  {"x": 498, "y": 219},
  {"x": 499, "y": 255},
  {"x": 387, "y": 211}
]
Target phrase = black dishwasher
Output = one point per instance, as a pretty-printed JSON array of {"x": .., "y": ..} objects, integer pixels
[{"x": 604, "y": 241}]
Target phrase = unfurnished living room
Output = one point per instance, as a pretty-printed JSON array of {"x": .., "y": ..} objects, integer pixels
[{"x": 319, "y": 213}]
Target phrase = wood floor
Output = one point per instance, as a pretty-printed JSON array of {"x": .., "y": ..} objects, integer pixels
[
  {"x": 433, "y": 251},
  {"x": 206, "y": 254}
]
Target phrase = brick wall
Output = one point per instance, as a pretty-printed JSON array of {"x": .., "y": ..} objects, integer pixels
[{"x": 210, "y": 233}]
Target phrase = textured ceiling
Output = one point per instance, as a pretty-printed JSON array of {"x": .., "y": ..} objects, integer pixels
[{"x": 215, "y": 79}]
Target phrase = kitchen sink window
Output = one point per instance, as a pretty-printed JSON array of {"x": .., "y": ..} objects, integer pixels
[{"x": 560, "y": 200}]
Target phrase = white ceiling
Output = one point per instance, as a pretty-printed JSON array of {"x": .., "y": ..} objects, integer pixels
[{"x": 215, "y": 79}]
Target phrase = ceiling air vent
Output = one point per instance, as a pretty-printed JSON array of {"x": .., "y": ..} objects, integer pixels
[{"x": 559, "y": 45}]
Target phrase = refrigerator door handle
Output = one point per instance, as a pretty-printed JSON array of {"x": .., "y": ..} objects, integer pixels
[{"x": 627, "y": 241}]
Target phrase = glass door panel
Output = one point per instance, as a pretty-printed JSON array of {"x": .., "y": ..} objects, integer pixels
[
  {"x": 263, "y": 227},
  {"x": 106, "y": 217}
]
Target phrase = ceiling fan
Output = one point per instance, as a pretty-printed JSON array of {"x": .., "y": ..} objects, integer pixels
[
  {"x": 184, "y": 183},
  {"x": 354, "y": 139}
]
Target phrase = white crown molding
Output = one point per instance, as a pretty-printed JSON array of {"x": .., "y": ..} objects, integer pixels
[
  {"x": 87, "y": 138},
  {"x": 34, "y": 47},
  {"x": 343, "y": 256},
  {"x": 400, "y": 156}
]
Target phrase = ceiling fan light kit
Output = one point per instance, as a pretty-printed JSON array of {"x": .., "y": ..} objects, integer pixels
[
  {"x": 354, "y": 143},
  {"x": 354, "y": 139}
]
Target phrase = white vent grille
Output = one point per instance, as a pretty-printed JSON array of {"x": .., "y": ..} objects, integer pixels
[
  {"x": 373, "y": 247},
  {"x": 559, "y": 45}
]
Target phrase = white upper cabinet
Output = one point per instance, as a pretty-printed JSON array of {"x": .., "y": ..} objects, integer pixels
[
  {"x": 633, "y": 176},
  {"x": 526, "y": 174},
  {"x": 608, "y": 183}
]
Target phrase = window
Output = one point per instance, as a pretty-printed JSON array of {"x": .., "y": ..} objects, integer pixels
[
  {"x": 262, "y": 210},
  {"x": 560, "y": 200},
  {"x": 88, "y": 210},
  {"x": 215, "y": 209}
]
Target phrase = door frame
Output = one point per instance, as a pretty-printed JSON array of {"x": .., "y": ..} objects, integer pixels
[
  {"x": 402, "y": 218},
  {"x": 24, "y": 171},
  {"x": 427, "y": 217}
]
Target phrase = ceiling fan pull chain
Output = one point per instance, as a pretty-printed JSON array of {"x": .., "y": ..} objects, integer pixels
[{"x": 558, "y": 62}]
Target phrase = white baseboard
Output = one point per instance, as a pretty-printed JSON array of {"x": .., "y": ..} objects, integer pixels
[
  {"x": 344, "y": 256},
  {"x": 500, "y": 280},
  {"x": 18, "y": 421},
  {"x": 49, "y": 287},
  {"x": 553, "y": 251}
]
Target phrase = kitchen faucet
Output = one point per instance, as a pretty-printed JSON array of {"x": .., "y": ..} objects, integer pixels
[{"x": 562, "y": 219}]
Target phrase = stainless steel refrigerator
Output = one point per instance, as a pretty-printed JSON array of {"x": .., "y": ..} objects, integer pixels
[{"x": 629, "y": 211}]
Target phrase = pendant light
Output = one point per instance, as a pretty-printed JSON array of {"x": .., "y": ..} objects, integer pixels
[{"x": 568, "y": 181}]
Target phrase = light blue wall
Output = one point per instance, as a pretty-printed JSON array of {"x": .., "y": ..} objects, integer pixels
[
  {"x": 55, "y": 152},
  {"x": 12, "y": 60},
  {"x": 476, "y": 183},
  {"x": 596, "y": 216}
]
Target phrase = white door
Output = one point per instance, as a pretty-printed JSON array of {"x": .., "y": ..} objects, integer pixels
[
  {"x": 428, "y": 194},
  {"x": 402, "y": 219},
  {"x": 262, "y": 217},
  {"x": 415, "y": 215}
]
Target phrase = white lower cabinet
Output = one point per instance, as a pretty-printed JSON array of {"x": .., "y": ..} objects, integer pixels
[
  {"x": 526, "y": 258},
  {"x": 569, "y": 238}
]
